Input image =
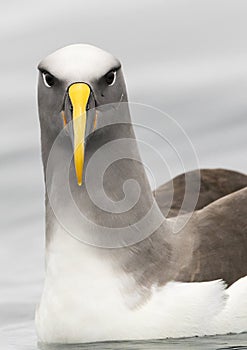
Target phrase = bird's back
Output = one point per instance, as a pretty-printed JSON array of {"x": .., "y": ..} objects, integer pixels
[{"x": 214, "y": 184}]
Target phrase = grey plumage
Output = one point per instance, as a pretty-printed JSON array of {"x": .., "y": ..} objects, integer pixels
[
  {"x": 214, "y": 184},
  {"x": 211, "y": 245}
]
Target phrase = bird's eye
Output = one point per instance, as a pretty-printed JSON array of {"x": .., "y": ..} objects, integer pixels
[
  {"x": 48, "y": 79},
  {"x": 110, "y": 77}
]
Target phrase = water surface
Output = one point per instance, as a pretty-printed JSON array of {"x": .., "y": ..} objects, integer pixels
[{"x": 22, "y": 337}]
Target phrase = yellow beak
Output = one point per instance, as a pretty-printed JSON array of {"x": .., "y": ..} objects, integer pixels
[{"x": 79, "y": 95}]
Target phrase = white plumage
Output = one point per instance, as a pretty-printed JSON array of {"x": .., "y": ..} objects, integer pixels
[{"x": 85, "y": 300}]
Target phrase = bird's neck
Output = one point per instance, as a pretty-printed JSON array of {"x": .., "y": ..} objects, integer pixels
[
  {"x": 114, "y": 208},
  {"x": 115, "y": 194}
]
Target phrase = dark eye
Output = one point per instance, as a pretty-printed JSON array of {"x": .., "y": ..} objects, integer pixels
[
  {"x": 48, "y": 79},
  {"x": 110, "y": 77}
]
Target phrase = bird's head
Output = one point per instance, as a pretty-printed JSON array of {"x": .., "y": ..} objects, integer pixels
[{"x": 72, "y": 81}]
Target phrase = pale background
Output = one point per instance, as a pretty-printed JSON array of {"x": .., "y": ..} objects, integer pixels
[{"x": 185, "y": 57}]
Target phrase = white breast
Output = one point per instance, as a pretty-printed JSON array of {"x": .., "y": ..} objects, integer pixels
[{"x": 85, "y": 299}]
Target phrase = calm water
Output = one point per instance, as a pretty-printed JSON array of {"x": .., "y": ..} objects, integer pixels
[{"x": 22, "y": 337}]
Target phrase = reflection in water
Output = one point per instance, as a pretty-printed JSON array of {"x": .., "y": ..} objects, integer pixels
[
  {"x": 205, "y": 343},
  {"x": 22, "y": 337}
]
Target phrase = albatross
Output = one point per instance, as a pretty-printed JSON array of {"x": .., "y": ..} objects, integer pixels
[{"x": 115, "y": 267}]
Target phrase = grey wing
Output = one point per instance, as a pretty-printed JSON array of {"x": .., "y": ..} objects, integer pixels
[
  {"x": 215, "y": 183},
  {"x": 221, "y": 241}
]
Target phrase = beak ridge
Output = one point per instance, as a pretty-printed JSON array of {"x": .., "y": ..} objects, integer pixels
[{"x": 79, "y": 94}]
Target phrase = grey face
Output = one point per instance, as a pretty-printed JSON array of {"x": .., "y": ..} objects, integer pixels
[
  {"x": 73, "y": 80},
  {"x": 77, "y": 64}
]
